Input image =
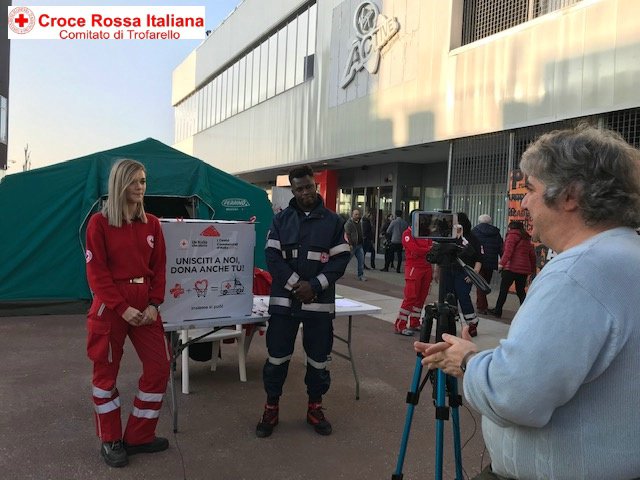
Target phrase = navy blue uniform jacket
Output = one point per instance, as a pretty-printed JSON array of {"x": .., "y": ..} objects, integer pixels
[{"x": 306, "y": 247}]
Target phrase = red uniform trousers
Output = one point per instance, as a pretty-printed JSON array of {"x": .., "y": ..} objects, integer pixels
[
  {"x": 105, "y": 342},
  {"x": 417, "y": 281}
]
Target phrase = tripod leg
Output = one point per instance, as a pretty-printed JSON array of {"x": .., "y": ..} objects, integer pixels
[
  {"x": 412, "y": 399},
  {"x": 442, "y": 414},
  {"x": 454, "y": 402}
]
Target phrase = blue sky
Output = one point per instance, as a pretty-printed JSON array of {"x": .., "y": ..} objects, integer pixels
[{"x": 72, "y": 98}]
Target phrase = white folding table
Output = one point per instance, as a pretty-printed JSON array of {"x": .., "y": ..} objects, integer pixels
[{"x": 179, "y": 339}]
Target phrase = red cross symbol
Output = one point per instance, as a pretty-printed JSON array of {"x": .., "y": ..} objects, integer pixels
[{"x": 21, "y": 20}]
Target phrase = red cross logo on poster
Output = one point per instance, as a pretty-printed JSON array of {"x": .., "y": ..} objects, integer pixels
[{"x": 21, "y": 20}]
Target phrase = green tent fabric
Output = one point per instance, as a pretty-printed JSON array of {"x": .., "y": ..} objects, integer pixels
[{"x": 43, "y": 214}]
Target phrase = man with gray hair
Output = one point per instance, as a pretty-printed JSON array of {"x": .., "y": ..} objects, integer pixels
[
  {"x": 492, "y": 245},
  {"x": 573, "y": 350}
]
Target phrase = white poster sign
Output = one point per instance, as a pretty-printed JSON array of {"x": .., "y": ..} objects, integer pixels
[
  {"x": 280, "y": 197},
  {"x": 209, "y": 269}
]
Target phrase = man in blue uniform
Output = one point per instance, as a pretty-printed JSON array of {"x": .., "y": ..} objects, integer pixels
[{"x": 306, "y": 254}]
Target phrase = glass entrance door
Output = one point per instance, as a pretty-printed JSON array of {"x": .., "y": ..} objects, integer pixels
[{"x": 384, "y": 207}]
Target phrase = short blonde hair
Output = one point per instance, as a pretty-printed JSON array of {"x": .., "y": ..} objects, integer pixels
[{"x": 115, "y": 208}]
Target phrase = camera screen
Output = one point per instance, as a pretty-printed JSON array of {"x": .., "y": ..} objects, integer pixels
[{"x": 433, "y": 225}]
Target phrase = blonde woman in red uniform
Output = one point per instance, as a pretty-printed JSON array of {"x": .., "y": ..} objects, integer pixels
[{"x": 126, "y": 272}]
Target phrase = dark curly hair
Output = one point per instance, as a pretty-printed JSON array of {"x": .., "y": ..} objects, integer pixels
[{"x": 299, "y": 172}]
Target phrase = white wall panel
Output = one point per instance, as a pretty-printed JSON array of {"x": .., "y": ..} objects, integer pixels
[
  {"x": 627, "y": 54},
  {"x": 599, "y": 65},
  {"x": 183, "y": 81}
]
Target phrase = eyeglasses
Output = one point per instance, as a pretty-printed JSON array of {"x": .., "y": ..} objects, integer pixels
[{"x": 305, "y": 188}]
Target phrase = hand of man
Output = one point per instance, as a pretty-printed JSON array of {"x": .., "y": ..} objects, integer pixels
[
  {"x": 133, "y": 316},
  {"x": 303, "y": 292},
  {"x": 448, "y": 354},
  {"x": 149, "y": 315}
]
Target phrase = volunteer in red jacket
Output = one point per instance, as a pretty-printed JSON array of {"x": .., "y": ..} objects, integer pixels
[
  {"x": 418, "y": 274},
  {"x": 516, "y": 264},
  {"x": 126, "y": 260}
]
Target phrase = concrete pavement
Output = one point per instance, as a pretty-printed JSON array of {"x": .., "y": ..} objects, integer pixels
[{"x": 46, "y": 414}]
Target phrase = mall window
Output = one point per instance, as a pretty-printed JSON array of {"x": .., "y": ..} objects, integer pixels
[
  {"x": 3, "y": 119},
  {"x": 482, "y": 18},
  {"x": 345, "y": 197},
  {"x": 276, "y": 62},
  {"x": 626, "y": 123},
  {"x": 479, "y": 167}
]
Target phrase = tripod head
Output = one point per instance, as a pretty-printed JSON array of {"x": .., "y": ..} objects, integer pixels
[
  {"x": 443, "y": 228},
  {"x": 444, "y": 313},
  {"x": 445, "y": 254}
]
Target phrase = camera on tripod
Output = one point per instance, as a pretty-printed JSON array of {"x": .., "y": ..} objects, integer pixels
[
  {"x": 443, "y": 228},
  {"x": 438, "y": 225}
]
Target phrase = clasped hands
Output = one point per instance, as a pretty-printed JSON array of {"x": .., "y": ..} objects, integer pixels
[
  {"x": 448, "y": 354},
  {"x": 137, "y": 318},
  {"x": 303, "y": 292}
]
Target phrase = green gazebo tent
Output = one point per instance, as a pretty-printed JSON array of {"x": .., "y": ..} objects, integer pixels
[{"x": 44, "y": 212}]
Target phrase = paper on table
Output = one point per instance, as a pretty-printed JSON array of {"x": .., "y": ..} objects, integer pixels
[
  {"x": 260, "y": 305},
  {"x": 346, "y": 303}
]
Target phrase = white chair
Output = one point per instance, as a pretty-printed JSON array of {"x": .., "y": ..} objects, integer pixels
[{"x": 238, "y": 333}]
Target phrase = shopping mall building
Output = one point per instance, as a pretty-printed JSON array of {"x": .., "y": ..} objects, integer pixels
[{"x": 403, "y": 104}]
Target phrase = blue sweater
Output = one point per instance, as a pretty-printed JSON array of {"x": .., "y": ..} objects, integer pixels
[{"x": 560, "y": 396}]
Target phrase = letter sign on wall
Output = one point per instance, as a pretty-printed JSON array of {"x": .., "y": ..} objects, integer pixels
[{"x": 373, "y": 32}]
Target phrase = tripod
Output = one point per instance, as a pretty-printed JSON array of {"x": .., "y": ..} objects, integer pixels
[
  {"x": 444, "y": 254},
  {"x": 445, "y": 314}
]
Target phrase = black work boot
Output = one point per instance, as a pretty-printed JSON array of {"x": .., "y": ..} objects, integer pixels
[
  {"x": 158, "y": 444},
  {"x": 316, "y": 417},
  {"x": 268, "y": 421},
  {"x": 114, "y": 454}
]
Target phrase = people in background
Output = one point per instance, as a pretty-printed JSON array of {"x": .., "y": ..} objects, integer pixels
[
  {"x": 491, "y": 244},
  {"x": 418, "y": 275},
  {"x": 126, "y": 272},
  {"x": 385, "y": 241},
  {"x": 517, "y": 263},
  {"x": 453, "y": 277},
  {"x": 573, "y": 349},
  {"x": 368, "y": 243},
  {"x": 306, "y": 254},
  {"x": 353, "y": 231},
  {"x": 395, "y": 230}
]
